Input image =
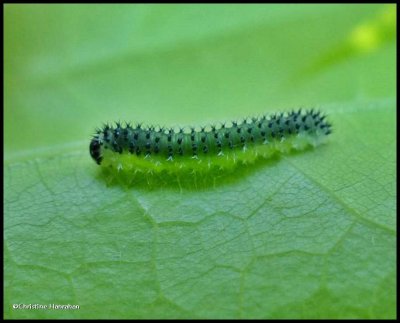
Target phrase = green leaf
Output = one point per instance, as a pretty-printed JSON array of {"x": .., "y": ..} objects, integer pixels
[{"x": 309, "y": 235}]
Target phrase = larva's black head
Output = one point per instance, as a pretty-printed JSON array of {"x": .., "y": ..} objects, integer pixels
[{"x": 95, "y": 149}]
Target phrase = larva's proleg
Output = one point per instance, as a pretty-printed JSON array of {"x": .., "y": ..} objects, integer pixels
[{"x": 154, "y": 149}]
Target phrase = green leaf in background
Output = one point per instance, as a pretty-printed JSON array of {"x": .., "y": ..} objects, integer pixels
[{"x": 311, "y": 235}]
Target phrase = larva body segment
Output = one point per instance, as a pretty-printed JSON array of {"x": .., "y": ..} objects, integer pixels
[{"x": 154, "y": 149}]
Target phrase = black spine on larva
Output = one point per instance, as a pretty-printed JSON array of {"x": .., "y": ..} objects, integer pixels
[{"x": 145, "y": 141}]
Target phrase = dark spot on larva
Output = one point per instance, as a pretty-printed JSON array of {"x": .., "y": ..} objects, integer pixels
[
  {"x": 105, "y": 135},
  {"x": 194, "y": 148},
  {"x": 125, "y": 134},
  {"x": 131, "y": 147},
  {"x": 115, "y": 146}
]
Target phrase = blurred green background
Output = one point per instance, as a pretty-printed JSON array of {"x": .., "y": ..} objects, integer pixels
[{"x": 310, "y": 236}]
